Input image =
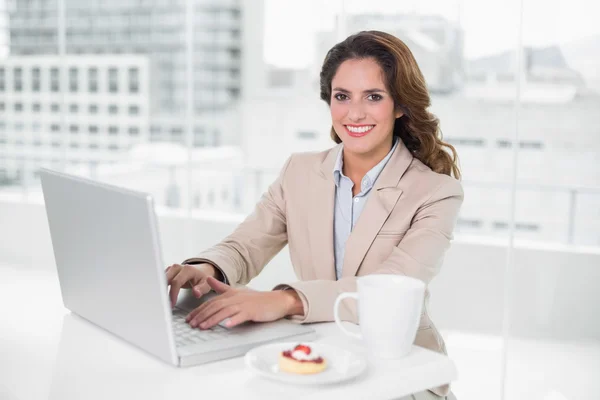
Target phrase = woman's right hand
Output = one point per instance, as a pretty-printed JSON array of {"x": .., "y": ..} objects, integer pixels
[{"x": 189, "y": 276}]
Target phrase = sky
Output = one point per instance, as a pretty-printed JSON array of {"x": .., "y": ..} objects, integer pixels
[{"x": 490, "y": 26}]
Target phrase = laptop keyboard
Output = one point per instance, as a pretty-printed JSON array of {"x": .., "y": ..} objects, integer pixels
[{"x": 186, "y": 335}]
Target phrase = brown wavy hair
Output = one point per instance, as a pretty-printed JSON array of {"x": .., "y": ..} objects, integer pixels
[{"x": 418, "y": 128}]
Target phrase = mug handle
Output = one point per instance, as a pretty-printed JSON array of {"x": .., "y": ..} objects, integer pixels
[{"x": 336, "y": 314}]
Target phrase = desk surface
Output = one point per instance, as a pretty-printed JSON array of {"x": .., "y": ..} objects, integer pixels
[{"x": 48, "y": 353}]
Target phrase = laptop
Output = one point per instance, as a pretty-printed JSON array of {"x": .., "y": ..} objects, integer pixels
[{"x": 111, "y": 272}]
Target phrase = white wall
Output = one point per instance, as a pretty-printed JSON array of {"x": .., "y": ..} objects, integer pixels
[{"x": 554, "y": 288}]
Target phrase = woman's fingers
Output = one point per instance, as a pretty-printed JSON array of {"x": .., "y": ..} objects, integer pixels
[
  {"x": 201, "y": 288},
  {"x": 237, "y": 319},
  {"x": 179, "y": 276},
  {"x": 219, "y": 287},
  {"x": 209, "y": 303},
  {"x": 220, "y": 315},
  {"x": 206, "y": 310},
  {"x": 177, "y": 282},
  {"x": 172, "y": 271}
]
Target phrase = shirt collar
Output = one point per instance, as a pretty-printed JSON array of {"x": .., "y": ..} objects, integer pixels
[{"x": 369, "y": 179}]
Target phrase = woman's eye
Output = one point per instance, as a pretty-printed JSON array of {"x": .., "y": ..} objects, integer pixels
[
  {"x": 341, "y": 97},
  {"x": 374, "y": 97}
]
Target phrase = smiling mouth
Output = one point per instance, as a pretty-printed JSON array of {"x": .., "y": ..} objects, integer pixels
[{"x": 358, "y": 130}]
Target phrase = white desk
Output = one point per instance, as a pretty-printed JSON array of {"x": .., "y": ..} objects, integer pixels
[{"x": 48, "y": 353}]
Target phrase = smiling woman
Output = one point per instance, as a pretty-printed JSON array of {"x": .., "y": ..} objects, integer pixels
[
  {"x": 389, "y": 167},
  {"x": 371, "y": 80}
]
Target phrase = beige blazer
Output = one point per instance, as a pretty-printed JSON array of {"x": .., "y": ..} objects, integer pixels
[{"x": 405, "y": 228}]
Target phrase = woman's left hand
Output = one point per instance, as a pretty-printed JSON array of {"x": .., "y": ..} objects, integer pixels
[{"x": 241, "y": 305}]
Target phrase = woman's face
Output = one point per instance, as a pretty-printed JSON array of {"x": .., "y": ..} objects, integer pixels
[{"x": 362, "y": 110}]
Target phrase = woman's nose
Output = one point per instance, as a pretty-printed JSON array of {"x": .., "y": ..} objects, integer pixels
[{"x": 356, "y": 112}]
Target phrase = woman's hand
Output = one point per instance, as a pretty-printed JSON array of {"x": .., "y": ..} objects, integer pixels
[
  {"x": 189, "y": 276},
  {"x": 243, "y": 304}
]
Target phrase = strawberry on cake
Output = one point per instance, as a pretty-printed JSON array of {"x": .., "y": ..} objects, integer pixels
[{"x": 301, "y": 360}]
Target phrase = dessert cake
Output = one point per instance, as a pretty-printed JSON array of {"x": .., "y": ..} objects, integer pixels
[{"x": 301, "y": 360}]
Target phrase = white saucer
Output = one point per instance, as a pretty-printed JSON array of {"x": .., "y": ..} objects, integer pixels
[{"x": 342, "y": 364}]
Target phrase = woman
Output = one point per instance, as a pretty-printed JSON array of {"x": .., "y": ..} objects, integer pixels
[{"x": 390, "y": 168}]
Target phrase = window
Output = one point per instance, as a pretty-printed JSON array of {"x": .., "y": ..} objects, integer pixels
[
  {"x": 55, "y": 107},
  {"x": 18, "y": 107},
  {"x": 54, "y": 80},
  {"x": 73, "y": 79},
  {"x": 19, "y": 126},
  {"x": 55, "y": 144},
  {"x": 113, "y": 109},
  {"x": 113, "y": 147},
  {"x": 55, "y": 128},
  {"x": 199, "y": 137},
  {"x": 93, "y": 80},
  {"x": 500, "y": 225},
  {"x": 113, "y": 80},
  {"x": 134, "y": 84},
  {"x": 469, "y": 223},
  {"x": 74, "y": 145},
  {"x": 93, "y": 146},
  {"x": 73, "y": 129},
  {"x": 503, "y": 143},
  {"x": 531, "y": 145},
  {"x": 113, "y": 130},
  {"x": 18, "y": 79},
  {"x": 93, "y": 129},
  {"x": 306, "y": 135},
  {"x": 2, "y": 106},
  {"x": 35, "y": 79},
  {"x": 93, "y": 109},
  {"x": 2, "y": 80},
  {"x": 36, "y": 107},
  {"x": 134, "y": 110},
  {"x": 474, "y": 142},
  {"x": 35, "y": 127},
  {"x": 527, "y": 227},
  {"x": 134, "y": 131},
  {"x": 176, "y": 131}
]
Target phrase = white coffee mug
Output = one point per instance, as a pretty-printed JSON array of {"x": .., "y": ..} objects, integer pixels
[{"x": 389, "y": 311}]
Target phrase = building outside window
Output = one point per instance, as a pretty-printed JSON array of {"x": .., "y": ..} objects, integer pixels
[
  {"x": 73, "y": 79},
  {"x": 134, "y": 80},
  {"x": 35, "y": 79},
  {"x": 113, "y": 80},
  {"x": 54, "y": 79},
  {"x": 18, "y": 79},
  {"x": 93, "y": 80}
]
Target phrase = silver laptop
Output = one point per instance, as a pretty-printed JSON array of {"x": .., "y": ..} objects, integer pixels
[{"x": 111, "y": 272}]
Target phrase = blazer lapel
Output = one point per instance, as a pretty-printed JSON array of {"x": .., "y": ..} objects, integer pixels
[
  {"x": 380, "y": 203},
  {"x": 322, "y": 198}
]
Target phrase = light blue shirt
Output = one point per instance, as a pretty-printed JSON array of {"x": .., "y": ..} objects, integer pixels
[{"x": 347, "y": 207}]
